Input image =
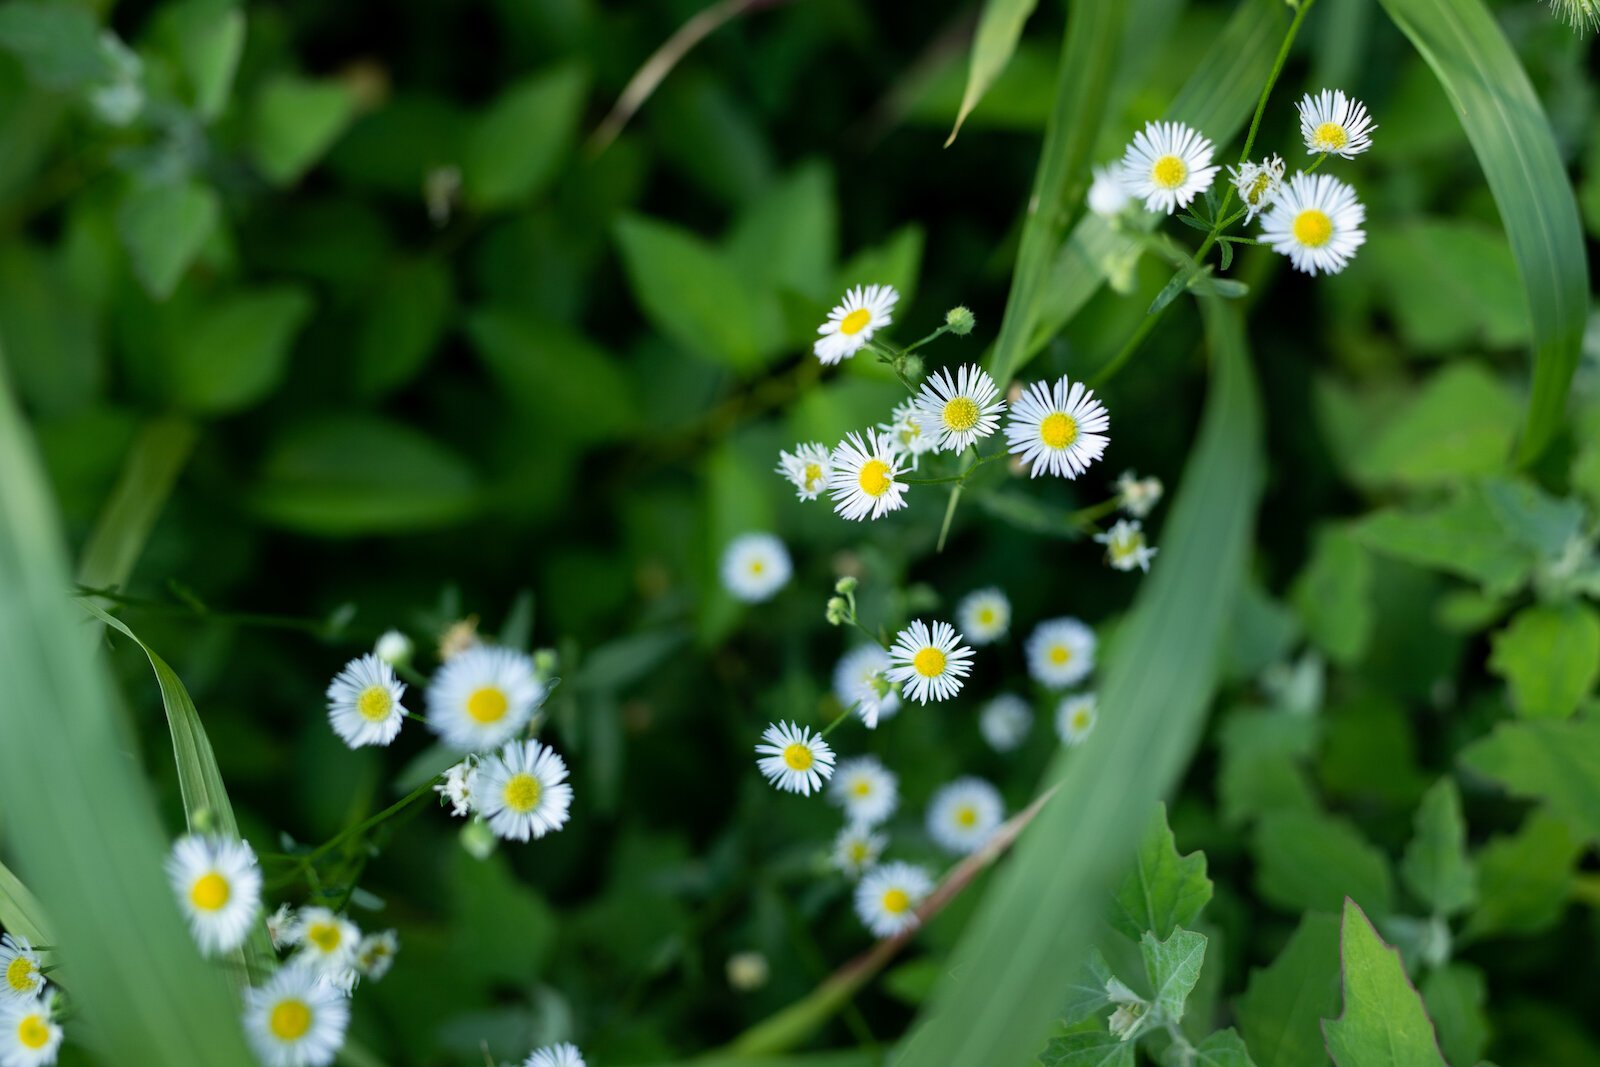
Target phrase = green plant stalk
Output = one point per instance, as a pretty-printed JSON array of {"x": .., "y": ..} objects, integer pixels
[{"x": 158, "y": 456}]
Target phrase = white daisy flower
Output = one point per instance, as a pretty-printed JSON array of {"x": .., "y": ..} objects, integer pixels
[
  {"x": 296, "y": 1019},
  {"x": 1075, "y": 717},
  {"x": 794, "y": 759},
  {"x": 1107, "y": 196},
  {"x": 906, "y": 434},
  {"x": 20, "y": 968},
  {"x": 957, "y": 410},
  {"x": 1167, "y": 165},
  {"x": 1005, "y": 721},
  {"x": 364, "y": 702},
  {"x": 394, "y": 648},
  {"x": 862, "y": 481},
  {"x": 1334, "y": 124},
  {"x": 857, "y": 850},
  {"x": 1138, "y": 496},
  {"x": 860, "y": 681},
  {"x": 327, "y": 941},
  {"x": 218, "y": 885},
  {"x": 963, "y": 814},
  {"x": 866, "y": 790},
  {"x": 29, "y": 1037},
  {"x": 850, "y": 325},
  {"x": 375, "y": 954},
  {"x": 1581, "y": 15},
  {"x": 755, "y": 566},
  {"x": 1126, "y": 549},
  {"x": 984, "y": 616},
  {"x": 281, "y": 926},
  {"x": 1257, "y": 184},
  {"x": 1060, "y": 652},
  {"x": 563, "y": 1055},
  {"x": 523, "y": 791},
  {"x": 458, "y": 786},
  {"x": 1316, "y": 222},
  {"x": 887, "y": 897},
  {"x": 482, "y": 697},
  {"x": 1058, "y": 429},
  {"x": 806, "y": 468},
  {"x": 929, "y": 664}
]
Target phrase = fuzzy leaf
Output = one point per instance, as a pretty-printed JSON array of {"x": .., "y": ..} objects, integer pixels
[
  {"x": 1173, "y": 967},
  {"x": 1164, "y": 890},
  {"x": 1088, "y": 1050},
  {"x": 1524, "y": 878}
]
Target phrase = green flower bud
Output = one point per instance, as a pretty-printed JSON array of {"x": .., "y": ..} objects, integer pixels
[{"x": 960, "y": 320}]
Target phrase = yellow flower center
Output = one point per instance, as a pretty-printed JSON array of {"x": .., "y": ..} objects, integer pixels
[
  {"x": 522, "y": 793},
  {"x": 1169, "y": 172},
  {"x": 813, "y": 475},
  {"x": 20, "y": 975},
  {"x": 929, "y": 662},
  {"x": 798, "y": 757},
  {"x": 862, "y": 788},
  {"x": 986, "y": 616},
  {"x": 290, "y": 1020},
  {"x": 374, "y": 703},
  {"x": 487, "y": 705},
  {"x": 858, "y": 852},
  {"x": 1058, "y": 430},
  {"x": 1330, "y": 137},
  {"x": 961, "y": 413},
  {"x": 967, "y": 817},
  {"x": 34, "y": 1031},
  {"x": 896, "y": 901},
  {"x": 757, "y": 566},
  {"x": 1313, "y": 228},
  {"x": 1080, "y": 719},
  {"x": 210, "y": 891},
  {"x": 1060, "y": 654},
  {"x": 326, "y": 936},
  {"x": 856, "y": 321},
  {"x": 1258, "y": 189},
  {"x": 874, "y": 477}
]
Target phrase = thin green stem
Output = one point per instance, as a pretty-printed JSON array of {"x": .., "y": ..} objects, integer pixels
[
  {"x": 367, "y": 824},
  {"x": 950, "y": 513},
  {"x": 940, "y": 332},
  {"x": 841, "y": 717}
]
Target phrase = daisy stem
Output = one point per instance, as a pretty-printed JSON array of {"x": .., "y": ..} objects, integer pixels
[
  {"x": 940, "y": 332},
  {"x": 1086, "y": 517},
  {"x": 841, "y": 717},
  {"x": 950, "y": 511},
  {"x": 367, "y": 824},
  {"x": 875, "y": 638}
]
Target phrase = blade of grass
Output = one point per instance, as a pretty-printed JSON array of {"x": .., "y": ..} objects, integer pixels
[
  {"x": 1011, "y": 971},
  {"x": 20, "y": 910},
  {"x": 152, "y": 468},
  {"x": 1083, "y": 87},
  {"x": 83, "y": 828},
  {"x": 999, "y": 30},
  {"x": 1516, "y": 148}
]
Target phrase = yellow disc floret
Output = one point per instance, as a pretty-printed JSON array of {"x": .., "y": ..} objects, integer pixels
[
  {"x": 1058, "y": 430},
  {"x": 874, "y": 477},
  {"x": 1330, "y": 137},
  {"x": 522, "y": 793},
  {"x": 929, "y": 662},
  {"x": 375, "y": 703},
  {"x": 34, "y": 1031},
  {"x": 1313, "y": 228},
  {"x": 798, "y": 757},
  {"x": 856, "y": 321},
  {"x": 210, "y": 891},
  {"x": 1169, "y": 172},
  {"x": 961, "y": 413},
  {"x": 290, "y": 1020},
  {"x": 487, "y": 705}
]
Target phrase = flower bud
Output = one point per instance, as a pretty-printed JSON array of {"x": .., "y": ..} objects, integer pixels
[
  {"x": 960, "y": 320},
  {"x": 846, "y": 585},
  {"x": 394, "y": 648}
]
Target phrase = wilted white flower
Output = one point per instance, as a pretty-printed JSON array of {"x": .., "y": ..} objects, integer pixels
[
  {"x": 375, "y": 954},
  {"x": 1138, "y": 496},
  {"x": 458, "y": 785},
  {"x": 1257, "y": 184},
  {"x": 1126, "y": 549},
  {"x": 806, "y": 468}
]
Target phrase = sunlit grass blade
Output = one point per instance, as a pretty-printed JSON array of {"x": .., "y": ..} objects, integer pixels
[
  {"x": 20, "y": 910},
  {"x": 999, "y": 29},
  {"x": 1010, "y": 973},
  {"x": 1516, "y": 148},
  {"x": 81, "y": 824},
  {"x": 1083, "y": 87},
  {"x": 152, "y": 467}
]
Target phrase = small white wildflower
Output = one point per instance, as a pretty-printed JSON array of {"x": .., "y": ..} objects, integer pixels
[
  {"x": 888, "y": 895},
  {"x": 964, "y": 814},
  {"x": 1167, "y": 165},
  {"x": 1138, "y": 496},
  {"x": 394, "y": 648},
  {"x": 1005, "y": 721},
  {"x": 1108, "y": 197},
  {"x": 1257, "y": 184},
  {"x": 806, "y": 468},
  {"x": 1332, "y": 123},
  {"x": 851, "y": 324},
  {"x": 364, "y": 702},
  {"x": 29, "y": 1035},
  {"x": 522, "y": 791},
  {"x": 905, "y": 431},
  {"x": 747, "y": 971},
  {"x": 281, "y": 926},
  {"x": 563, "y": 1055},
  {"x": 1058, "y": 429},
  {"x": 862, "y": 480},
  {"x": 794, "y": 759},
  {"x": 375, "y": 954},
  {"x": 1060, "y": 652},
  {"x": 327, "y": 941},
  {"x": 218, "y": 885},
  {"x": 482, "y": 697},
  {"x": 929, "y": 664},
  {"x": 1316, "y": 222},
  {"x": 1075, "y": 718},
  {"x": 1126, "y": 549},
  {"x": 21, "y": 970},
  {"x": 296, "y": 1019},
  {"x": 984, "y": 616},
  {"x": 860, "y": 681},
  {"x": 866, "y": 790},
  {"x": 957, "y": 410},
  {"x": 755, "y": 566},
  {"x": 857, "y": 849},
  {"x": 459, "y": 783}
]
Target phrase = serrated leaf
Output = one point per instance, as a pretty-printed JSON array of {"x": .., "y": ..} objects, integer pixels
[
  {"x": 1460, "y": 423},
  {"x": 999, "y": 29},
  {"x": 1261, "y": 770},
  {"x": 164, "y": 227},
  {"x": 1550, "y": 657},
  {"x": 1524, "y": 878},
  {"x": 1461, "y": 537},
  {"x": 1308, "y": 860},
  {"x": 1225, "y": 1048},
  {"x": 1455, "y": 995},
  {"x": 1284, "y": 1004},
  {"x": 1088, "y": 994},
  {"x": 1557, "y": 762},
  {"x": 1173, "y": 967},
  {"x": 1088, "y": 1050},
  {"x": 1436, "y": 866},
  {"x": 1383, "y": 1023},
  {"x": 1164, "y": 890}
]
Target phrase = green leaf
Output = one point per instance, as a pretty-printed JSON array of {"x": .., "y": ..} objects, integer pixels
[
  {"x": 1455, "y": 995},
  {"x": 296, "y": 121},
  {"x": 235, "y": 351},
  {"x": 1261, "y": 770},
  {"x": 20, "y": 911},
  {"x": 1284, "y": 1004},
  {"x": 1173, "y": 967},
  {"x": 405, "y": 318},
  {"x": 210, "y": 35},
  {"x": 1164, "y": 890},
  {"x": 1311, "y": 861},
  {"x": 1533, "y": 517},
  {"x": 59, "y": 43},
  {"x": 1517, "y": 150},
  {"x": 344, "y": 476},
  {"x": 999, "y": 29},
  {"x": 1460, "y": 423},
  {"x": 1333, "y": 596},
  {"x": 694, "y": 295},
  {"x": 1461, "y": 536},
  {"x": 1436, "y": 866},
  {"x": 95, "y": 850},
  {"x": 1449, "y": 284},
  {"x": 1383, "y": 1024},
  {"x": 152, "y": 467},
  {"x": 1524, "y": 879},
  {"x": 1088, "y": 1050},
  {"x": 1557, "y": 762},
  {"x": 164, "y": 227},
  {"x": 1088, "y": 994},
  {"x": 788, "y": 238},
  {"x": 1005, "y": 981},
  {"x": 897, "y": 261},
  {"x": 1550, "y": 657},
  {"x": 516, "y": 148},
  {"x": 1223, "y": 1049}
]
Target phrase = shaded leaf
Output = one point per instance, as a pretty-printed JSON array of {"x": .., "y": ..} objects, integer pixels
[
  {"x": 1557, "y": 762},
  {"x": 1524, "y": 878},
  {"x": 164, "y": 227},
  {"x": 235, "y": 350},
  {"x": 1087, "y": 994},
  {"x": 1284, "y": 1004},
  {"x": 58, "y": 43},
  {"x": 1164, "y": 890},
  {"x": 514, "y": 150},
  {"x": 1333, "y": 596},
  {"x": 1460, "y": 423},
  {"x": 1461, "y": 536},
  {"x": 1435, "y": 865},
  {"x": 296, "y": 121},
  {"x": 999, "y": 29},
  {"x": 1088, "y": 1050},
  {"x": 1455, "y": 995},
  {"x": 1225, "y": 1048},
  {"x": 1307, "y": 860},
  {"x": 1550, "y": 657}
]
